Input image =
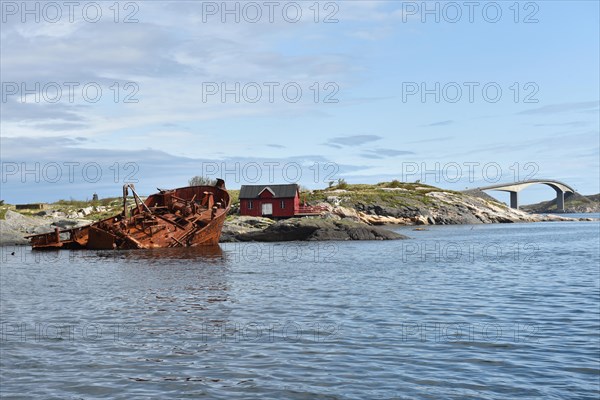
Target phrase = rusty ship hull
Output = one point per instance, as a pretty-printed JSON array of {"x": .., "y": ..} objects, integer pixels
[{"x": 184, "y": 217}]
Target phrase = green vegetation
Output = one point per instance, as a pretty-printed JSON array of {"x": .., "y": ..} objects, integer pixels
[
  {"x": 394, "y": 194},
  {"x": 342, "y": 184},
  {"x": 74, "y": 203},
  {"x": 235, "y": 196},
  {"x": 201, "y": 181},
  {"x": 111, "y": 206},
  {"x": 387, "y": 194}
]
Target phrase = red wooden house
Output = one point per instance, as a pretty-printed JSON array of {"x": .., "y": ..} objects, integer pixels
[{"x": 278, "y": 201}]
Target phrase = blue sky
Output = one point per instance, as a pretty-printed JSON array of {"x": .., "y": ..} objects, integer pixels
[{"x": 374, "y": 63}]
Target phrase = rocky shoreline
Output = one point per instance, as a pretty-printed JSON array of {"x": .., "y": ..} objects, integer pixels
[
  {"x": 344, "y": 217},
  {"x": 15, "y": 226},
  {"x": 256, "y": 229}
]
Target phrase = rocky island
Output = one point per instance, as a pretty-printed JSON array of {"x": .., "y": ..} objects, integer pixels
[
  {"x": 574, "y": 203},
  {"x": 350, "y": 212}
]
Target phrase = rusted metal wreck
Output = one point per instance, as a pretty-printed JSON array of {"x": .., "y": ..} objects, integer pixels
[{"x": 184, "y": 217}]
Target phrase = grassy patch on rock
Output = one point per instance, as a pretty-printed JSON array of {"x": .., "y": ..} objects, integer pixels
[{"x": 388, "y": 194}]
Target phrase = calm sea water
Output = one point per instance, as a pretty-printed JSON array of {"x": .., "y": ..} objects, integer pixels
[{"x": 487, "y": 311}]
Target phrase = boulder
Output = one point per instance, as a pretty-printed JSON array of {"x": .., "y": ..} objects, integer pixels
[
  {"x": 86, "y": 211},
  {"x": 11, "y": 237},
  {"x": 15, "y": 226},
  {"x": 345, "y": 212},
  {"x": 337, "y": 191},
  {"x": 335, "y": 200},
  {"x": 318, "y": 229},
  {"x": 420, "y": 220},
  {"x": 239, "y": 225},
  {"x": 383, "y": 220}
]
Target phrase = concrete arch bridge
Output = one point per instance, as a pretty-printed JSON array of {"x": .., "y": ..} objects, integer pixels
[{"x": 515, "y": 187}]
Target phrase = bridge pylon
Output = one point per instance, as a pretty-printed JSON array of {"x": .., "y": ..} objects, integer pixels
[{"x": 514, "y": 200}]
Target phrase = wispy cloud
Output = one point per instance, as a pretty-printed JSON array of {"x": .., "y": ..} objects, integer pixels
[
  {"x": 356, "y": 140},
  {"x": 565, "y": 141},
  {"x": 432, "y": 140},
  {"x": 384, "y": 153},
  {"x": 572, "y": 124},
  {"x": 373, "y": 34},
  {"x": 441, "y": 123},
  {"x": 61, "y": 126},
  {"x": 564, "y": 107}
]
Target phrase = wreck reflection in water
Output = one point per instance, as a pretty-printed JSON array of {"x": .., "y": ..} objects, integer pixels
[{"x": 208, "y": 254}]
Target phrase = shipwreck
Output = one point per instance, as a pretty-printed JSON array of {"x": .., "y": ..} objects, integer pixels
[{"x": 184, "y": 217}]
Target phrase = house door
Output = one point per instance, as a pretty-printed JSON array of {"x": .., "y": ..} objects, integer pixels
[{"x": 267, "y": 209}]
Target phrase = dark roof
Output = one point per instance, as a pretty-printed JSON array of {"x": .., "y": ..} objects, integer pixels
[{"x": 281, "y": 191}]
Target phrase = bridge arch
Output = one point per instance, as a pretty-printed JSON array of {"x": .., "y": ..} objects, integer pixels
[{"x": 514, "y": 188}]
